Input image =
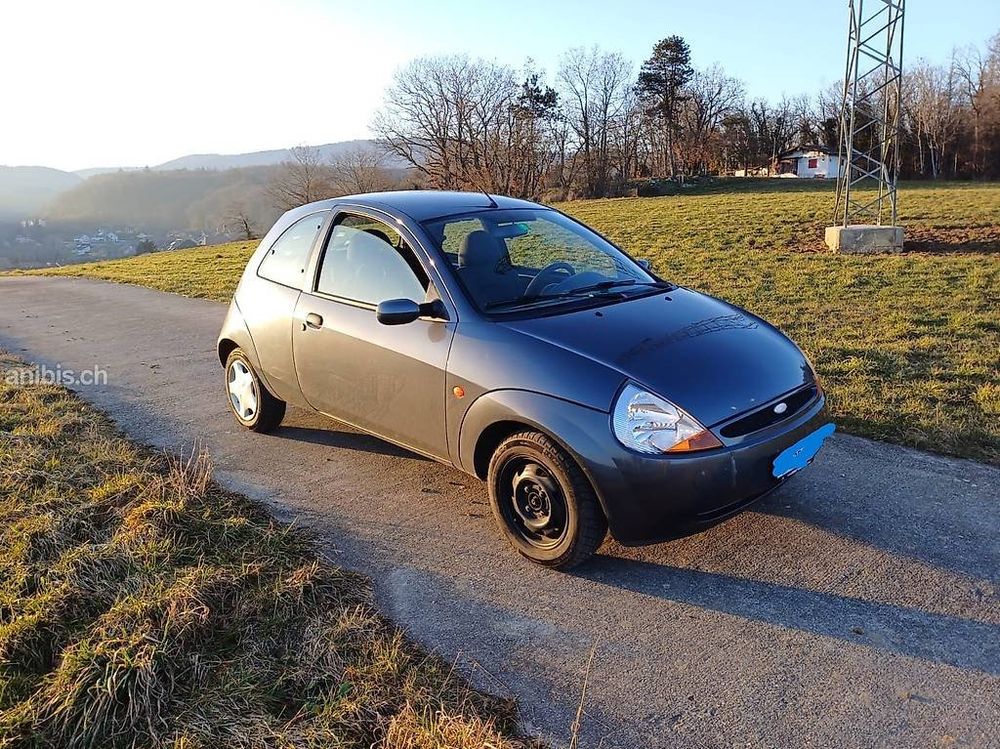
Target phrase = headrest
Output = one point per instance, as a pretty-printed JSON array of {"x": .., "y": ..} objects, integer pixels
[
  {"x": 365, "y": 246},
  {"x": 480, "y": 250},
  {"x": 379, "y": 234}
]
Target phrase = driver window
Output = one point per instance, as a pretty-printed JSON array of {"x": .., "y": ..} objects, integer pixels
[{"x": 368, "y": 261}]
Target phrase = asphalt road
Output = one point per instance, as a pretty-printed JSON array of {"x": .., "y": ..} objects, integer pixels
[{"x": 856, "y": 607}]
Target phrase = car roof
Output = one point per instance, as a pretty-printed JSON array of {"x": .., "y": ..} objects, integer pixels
[{"x": 422, "y": 205}]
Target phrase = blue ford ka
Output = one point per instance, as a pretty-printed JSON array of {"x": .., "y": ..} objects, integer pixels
[{"x": 512, "y": 342}]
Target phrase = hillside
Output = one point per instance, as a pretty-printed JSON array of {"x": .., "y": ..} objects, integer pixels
[
  {"x": 180, "y": 199},
  {"x": 223, "y": 161},
  {"x": 26, "y": 190},
  {"x": 906, "y": 345},
  {"x": 32, "y": 190},
  {"x": 327, "y": 152},
  {"x": 94, "y": 171}
]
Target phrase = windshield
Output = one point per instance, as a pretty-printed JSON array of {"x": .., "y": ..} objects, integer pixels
[{"x": 514, "y": 259}]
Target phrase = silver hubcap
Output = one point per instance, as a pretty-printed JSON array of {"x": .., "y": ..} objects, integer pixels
[{"x": 242, "y": 390}]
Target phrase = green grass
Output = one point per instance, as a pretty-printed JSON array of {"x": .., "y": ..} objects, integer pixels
[
  {"x": 143, "y": 606},
  {"x": 204, "y": 272},
  {"x": 907, "y": 346}
]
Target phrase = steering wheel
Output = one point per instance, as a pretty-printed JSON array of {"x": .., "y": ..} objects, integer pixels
[{"x": 545, "y": 277}]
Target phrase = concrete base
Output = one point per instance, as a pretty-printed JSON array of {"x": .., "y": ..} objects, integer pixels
[{"x": 864, "y": 238}]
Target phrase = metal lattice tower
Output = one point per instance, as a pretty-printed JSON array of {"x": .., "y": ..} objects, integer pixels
[{"x": 870, "y": 114}]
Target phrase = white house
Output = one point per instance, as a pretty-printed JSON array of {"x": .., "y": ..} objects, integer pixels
[{"x": 807, "y": 161}]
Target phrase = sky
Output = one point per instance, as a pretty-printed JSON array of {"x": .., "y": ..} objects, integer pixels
[{"x": 99, "y": 83}]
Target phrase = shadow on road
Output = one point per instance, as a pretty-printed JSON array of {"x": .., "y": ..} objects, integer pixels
[
  {"x": 345, "y": 440},
  {"x": 908, "y": 631},
  {"x": 935, "y": 535}
]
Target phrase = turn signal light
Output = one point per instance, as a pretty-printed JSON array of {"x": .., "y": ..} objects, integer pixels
[{"x": 702, "y": 441}]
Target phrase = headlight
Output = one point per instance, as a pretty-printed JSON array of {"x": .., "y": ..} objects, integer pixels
[{"x": 651, "y": 424}]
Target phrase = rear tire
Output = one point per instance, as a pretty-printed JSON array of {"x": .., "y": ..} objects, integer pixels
[
  {"x": 543, "y": 503},
  {"x": 249, "y": 400}
]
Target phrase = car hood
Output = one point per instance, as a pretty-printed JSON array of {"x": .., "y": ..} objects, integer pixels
[{"x": 709, "y": 357}]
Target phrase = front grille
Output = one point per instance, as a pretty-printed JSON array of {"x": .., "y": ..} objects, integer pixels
[{"x": 765, "y": 417}]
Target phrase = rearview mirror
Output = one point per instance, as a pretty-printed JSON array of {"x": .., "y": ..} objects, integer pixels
[
  {"x": 643, "y": 263},
  {"x": 402, "y": 311}
]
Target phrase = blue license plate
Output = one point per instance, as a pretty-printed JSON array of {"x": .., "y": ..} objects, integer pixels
[{"x": 798, "y": 456}]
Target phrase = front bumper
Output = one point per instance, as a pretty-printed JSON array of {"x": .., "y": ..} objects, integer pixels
[{"x": 655, "y": 498}]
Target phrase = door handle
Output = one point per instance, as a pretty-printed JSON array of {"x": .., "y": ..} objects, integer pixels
[{"x": 314, "y": 321}]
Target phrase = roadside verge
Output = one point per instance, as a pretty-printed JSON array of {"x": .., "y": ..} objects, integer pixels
[{"x": 143, "y": 605}]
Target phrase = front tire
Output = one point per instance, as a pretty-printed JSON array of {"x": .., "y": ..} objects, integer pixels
[
  {"x": 543, "y": 502},
  {"x": 249, "y": 400}
]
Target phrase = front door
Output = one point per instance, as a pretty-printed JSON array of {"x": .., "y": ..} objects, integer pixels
[{"x": 386, "y": 379}]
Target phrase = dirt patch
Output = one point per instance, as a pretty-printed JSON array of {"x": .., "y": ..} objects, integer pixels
[{"x": 941, "y": 240}]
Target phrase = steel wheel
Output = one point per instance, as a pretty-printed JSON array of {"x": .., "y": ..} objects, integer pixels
[
  {"x": 542, "y": 501},
  {"x": 242, "y": 388},
  {"x": 534, "y": 503}
]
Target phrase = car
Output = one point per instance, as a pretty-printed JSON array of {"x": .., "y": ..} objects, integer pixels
[{"x": 512, "y": 342}]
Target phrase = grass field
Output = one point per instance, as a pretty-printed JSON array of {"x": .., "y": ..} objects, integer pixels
[
  {"x": 143, "y": 606},
  {"x": 908, "y": 346}
]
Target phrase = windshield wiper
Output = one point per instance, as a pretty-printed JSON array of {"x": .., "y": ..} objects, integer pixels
[
  {"x": 520, "y": 301},
  {"x": 602, "y": 285},
  {"x": 587, "y": 290},
  {"x": 613, "y": 283}
]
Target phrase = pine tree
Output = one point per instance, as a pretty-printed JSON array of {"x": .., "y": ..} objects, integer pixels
[{"x": 661, "y": 85}]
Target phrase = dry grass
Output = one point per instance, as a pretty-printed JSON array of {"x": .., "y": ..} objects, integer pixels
[
  {"x": 143, "y": 606},
  {"x": 908, "y": 346},
  {"x": 204, "y": 272}
]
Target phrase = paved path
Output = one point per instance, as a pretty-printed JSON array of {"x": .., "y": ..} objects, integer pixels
[{"x": 857, "y": 606}]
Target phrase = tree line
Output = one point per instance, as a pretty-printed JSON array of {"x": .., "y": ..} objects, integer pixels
[{"x": 601, "y": 125}]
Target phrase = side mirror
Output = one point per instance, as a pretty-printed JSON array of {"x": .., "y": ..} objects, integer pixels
[
  {"x": 402, "y": 311},
  {"x": 643, "y": 263},
  {"x": 397, "y": 311}
]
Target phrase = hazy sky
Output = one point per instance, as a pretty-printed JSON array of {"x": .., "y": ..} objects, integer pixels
[{"x": 108, "y": 83}]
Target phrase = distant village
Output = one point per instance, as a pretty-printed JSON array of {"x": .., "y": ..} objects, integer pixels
[{"x": 36, "y": 242}]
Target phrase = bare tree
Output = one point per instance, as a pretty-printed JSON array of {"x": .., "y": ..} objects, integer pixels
[
  {"x": 448, "y": 117},
  {"x": 359, "y": 170},
  {"x": 739, "y": 141},
  {"x": 931, "y": 101},
  {"x": 239, "y": 221},
  {"x": 970, "y": 67},
  {"x": 595, "y": 87},
  {"x": 774, "y": 127},
  {"x": 536, "y": 115},
  {"x": 470, "y": 124},
  {"x": 710, "y": 96},
  {"x": 304, "y": 179},
  {"x": 978, "y": 76}
]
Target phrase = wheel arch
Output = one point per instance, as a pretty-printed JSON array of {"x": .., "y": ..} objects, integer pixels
[
  {"x": 496, "y": 415},
  {"x": 226, "y": 347},
  {"x": 235, "y": 334},
  {"x": 491, "y": 437}
]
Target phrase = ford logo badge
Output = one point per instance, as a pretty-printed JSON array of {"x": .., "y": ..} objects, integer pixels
[{"x": 781, "y": 408}]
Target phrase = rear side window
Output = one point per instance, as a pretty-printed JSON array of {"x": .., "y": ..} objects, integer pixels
[{"x": 285, "y": 262}]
